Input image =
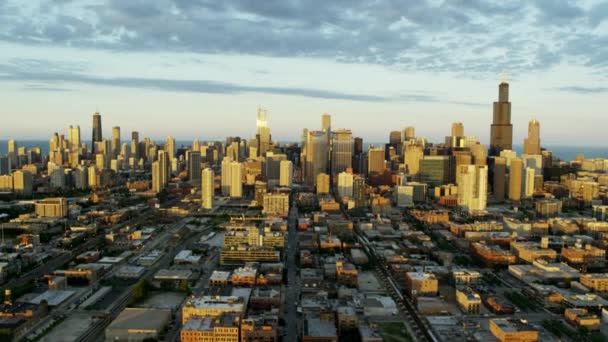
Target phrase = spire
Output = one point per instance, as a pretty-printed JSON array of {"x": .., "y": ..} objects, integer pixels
[{"x": 504, "y": 76}]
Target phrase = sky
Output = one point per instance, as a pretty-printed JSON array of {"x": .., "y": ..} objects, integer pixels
[{"x": 201, "y": 68}]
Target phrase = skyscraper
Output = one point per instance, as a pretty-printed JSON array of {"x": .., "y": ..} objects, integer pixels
[
  {"x": 194, "y": 166},
  {"x": 207, "y": 188},
  {"x": 236, "y": 179},
  {"x": 516, "y": 170},
  {"x": 413, "y": 153},
  {"x": 12, "y": 153},
  {"x": 359, "y": 192},
  {"x": 115, "y": 141},
  {"x": 409, "y": 133},
  {"x": 501, "y": 134},
  {"x": 500, "y": 178},
  {"x": 286, "y": 173},
  {"x": 160, "y": 172},
  {"x": 473, "y": 187},
  {"x": 97, "y": 132},
  {"x": 375, "y": 160},
  {"x": 316, "y": 156},
  {"x": 74, "y": 138},
  {"x": 170, "y": 148},
  {"x": 5, "y": 165},
  {"x": 326, "y": 123},
  {"x": 226, "y": 176},
  {"x": 342, "y": 149},
  {"x": 436, "y": 170},
  {"x": 345, "y": 184},
  {"x": 263, "y": 132},
  {"x": 532, "y": 142},
  {"x": 528, "y": 182},
  {"x": 22, "y": 181},
  {"x": 457, "y": 129}
]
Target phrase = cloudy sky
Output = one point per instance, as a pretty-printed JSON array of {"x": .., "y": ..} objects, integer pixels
[{"x": 200, "y": 68}]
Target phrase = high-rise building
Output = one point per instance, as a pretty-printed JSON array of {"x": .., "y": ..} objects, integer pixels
[
  {"x": 326, "y": 123},
  {"x": 160, "y": 172},
  {"x": 359, "y": 192},
  {"x": 170, "y": 149},
  {"x": 515, "y": 179},
  {"x": 80, "y": 177},
  {"x": 272, "y": 169},
  {"x": 5, "y": 165},
  {"x": 394, "y": 138},
  {"x": 322, "y": 182},
  {"x": 236, "y": 179},
  {"x": 316, "y": 156},
  {"x": 13, "y": 147},
  {"x": 436, "y": 170},
  {"x": 207, "y": 188},
  {"x": 196, "y": 145},
  {"x": 501, "y": 134},
  {"x": 532, "y": 142},
  {"x": 409, "y": 133},
  {"x": 375, "y": 160},
  {"x": 97, "y": 132},
  {"x": 74, "y": 138},
  {"x": 480, "y": 156},
  {"x": 457, "y": 129},
  {"x": 500, "y": 178},
  {"x": 528, "y": 182},
  {"x": 23, "y": 182},
  {"x": 226, "y": 176},
  {"x": 345, "y": 184},
  {"x": 473, "y": 187},
  {"x": 263, "y": 132},
  {"x": 115, "y": 141},
  {"x": 286, "y": 173},
  {"x": 413, "y": 154},
  {"x": 194, "y": 166},
  {"x": 342, "y": 149}
]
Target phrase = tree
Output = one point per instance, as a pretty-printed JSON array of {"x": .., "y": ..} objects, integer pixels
[{"x": 184, "y": 286}]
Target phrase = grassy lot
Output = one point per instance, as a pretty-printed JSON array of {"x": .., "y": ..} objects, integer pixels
[{"x": 394, "y": 332}]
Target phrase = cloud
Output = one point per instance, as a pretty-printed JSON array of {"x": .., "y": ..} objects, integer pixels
[
  {"x": 41, "y": 75},
  {"x": 583, "y": 90},
  {"x": 462, "y": 36}
]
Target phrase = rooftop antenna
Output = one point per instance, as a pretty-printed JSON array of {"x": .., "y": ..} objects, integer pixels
[{"x": 504, "y": 75}]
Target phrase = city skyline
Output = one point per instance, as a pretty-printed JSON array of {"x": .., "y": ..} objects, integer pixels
[
  {"x": 405, "y": 69},
  {"x": 303, "y": 170}
]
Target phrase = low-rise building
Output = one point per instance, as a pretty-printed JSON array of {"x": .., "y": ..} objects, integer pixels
[
  {"x": 511, "y": 330},
  {"x": 421, "y": 284},
  {"x": 468, "y": 300},
  {"x": 530, "y": 251},
  {"x": 493, "y": 255},
  {"x": 588, "y": 256},
  {"x": 135, "y": 324},
  {"x": 582, "y": 318},
  {"x": 212, "y": 306},
  {"x": 597, "y": 282},
  {"x": 465, "y": 277},
  {"x": 224, "y": 328}
]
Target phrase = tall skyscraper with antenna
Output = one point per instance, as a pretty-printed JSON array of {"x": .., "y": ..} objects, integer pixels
[
  {"x": 501, "y": 134},
  {"x": 97, "y": 134}
]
